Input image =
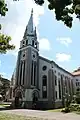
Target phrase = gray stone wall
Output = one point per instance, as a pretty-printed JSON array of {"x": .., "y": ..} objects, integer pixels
[
  {"x": 17, "y": 68},
  {"x": 51, "y": 86},
  {"x": 58, "y": 104}
]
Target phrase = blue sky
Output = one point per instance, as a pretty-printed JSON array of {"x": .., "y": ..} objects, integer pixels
[{"x": 57, "y": 42}]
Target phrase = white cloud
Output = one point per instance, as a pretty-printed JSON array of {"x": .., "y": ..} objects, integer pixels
[
  {"x": 64, "y": 40},
  {"x": 44, "y": 44},
  {"x": 61, "y": 57},
  {"x": 17, "y": 17}
]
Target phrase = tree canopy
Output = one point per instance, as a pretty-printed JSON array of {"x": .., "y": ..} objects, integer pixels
[
  {"x": 5, "y": 86},
  {"x": 4, "y": 39},
  {"x": 64, "y": 9}
]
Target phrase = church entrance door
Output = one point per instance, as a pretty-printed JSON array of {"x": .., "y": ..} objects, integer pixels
[
  {"x": 35, "y": 100},
  {"x": 18, "y": 100}
]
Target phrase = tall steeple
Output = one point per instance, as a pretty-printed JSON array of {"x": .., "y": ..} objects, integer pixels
[
  {"x": 30, "y": 35},
  {"x": 29, "y": 28}
]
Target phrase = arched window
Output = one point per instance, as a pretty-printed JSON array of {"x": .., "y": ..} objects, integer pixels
[
  {"x": 26, "y": 42},
  {"x": 23, "y": 43},
  {"x": 33, "y": 43},
  {"x": 44, "y": 80},
  {"x": 44, "y": 86},
  {"x": 59, "y": 89}
]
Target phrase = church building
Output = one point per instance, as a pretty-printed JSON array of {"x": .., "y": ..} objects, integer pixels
[{"x": 38, "y": 81}]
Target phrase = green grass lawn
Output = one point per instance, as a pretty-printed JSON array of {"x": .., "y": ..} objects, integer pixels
[
  {"x": 55, "y": 110},
  {"x": 59, "y": 110},
  {"x": 76, "y": 112},
  {"x": 4, "y": 116},
  {"x": 3, "y": 104}
]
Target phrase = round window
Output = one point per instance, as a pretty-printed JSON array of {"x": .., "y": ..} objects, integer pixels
[
  {"x": 23, "y": 55},
  {"x": 33, "y": 56},
  {"x": 44, "y": 67}
]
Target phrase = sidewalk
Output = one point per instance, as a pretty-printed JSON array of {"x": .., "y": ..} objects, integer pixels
[{"x": 44, "y": 114}]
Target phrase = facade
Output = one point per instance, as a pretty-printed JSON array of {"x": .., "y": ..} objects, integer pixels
[
  {"x": 37, "y": 80},
  {"x": 76, "y": 74}
]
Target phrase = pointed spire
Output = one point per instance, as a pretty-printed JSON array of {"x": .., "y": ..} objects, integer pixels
[
  {"x": 29, "y": 28},
  {"x": 30, "y": 23},
  {"x": 32, "y": 11}
]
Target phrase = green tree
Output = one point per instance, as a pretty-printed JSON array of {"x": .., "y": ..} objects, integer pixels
[
  {"x": 4, "y": 39},
  {"x": 78, "y": 96},
  {"x": 64, "y": 9},
  {"x": 5, "y": 86}
]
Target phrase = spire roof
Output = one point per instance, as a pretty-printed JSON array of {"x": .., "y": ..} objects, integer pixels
[{"x": 29, "y": 27}]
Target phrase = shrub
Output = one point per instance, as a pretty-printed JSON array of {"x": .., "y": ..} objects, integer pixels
[
  {"x": 78, "y": 99},
  {"x": 74, "y": 107},
  {"x": 66, "y": 110}
]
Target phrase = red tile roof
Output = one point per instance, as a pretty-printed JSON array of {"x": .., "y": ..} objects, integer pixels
[{"x": 76, "y": 72}]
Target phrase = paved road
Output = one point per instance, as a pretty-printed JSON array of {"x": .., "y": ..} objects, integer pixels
[{"x": 44, "y": 114}]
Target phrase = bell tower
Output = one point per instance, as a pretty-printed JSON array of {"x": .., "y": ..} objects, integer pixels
[
  {"x": 27, "y": 84},
  {"x": 30, "y": 36},
  {"x": 27, "y": 63}
]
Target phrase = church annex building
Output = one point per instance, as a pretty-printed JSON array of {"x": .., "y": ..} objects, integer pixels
[{"x": 38, "y": 80}]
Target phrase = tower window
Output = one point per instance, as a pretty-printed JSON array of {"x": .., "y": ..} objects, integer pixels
[
  {"x": 26, "y": 42},
  {"x": 23, "y": 55},
  {"x": 23, "y": 42},
  {"x": 33, "y": 43},
  {"x": 33, "y": 56}
]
